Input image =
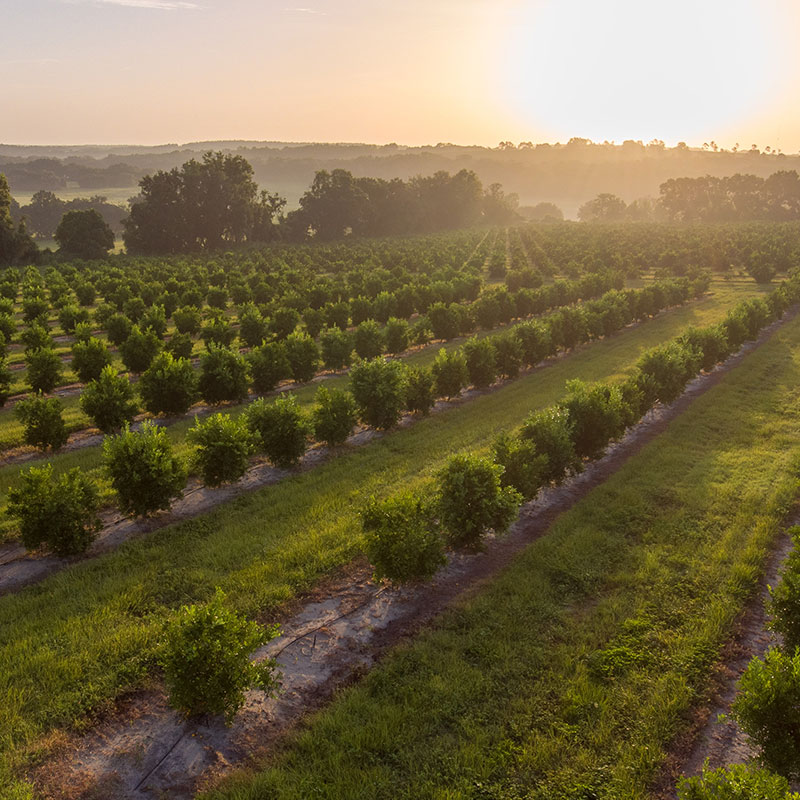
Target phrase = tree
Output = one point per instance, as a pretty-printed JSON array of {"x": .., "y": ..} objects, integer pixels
[
  {"x": 396, "y": 335},
  {"x": 471, "y": 499},
  {"x": 481, "y": 365},
  {"x": 44, "y": 369},
  {"x": 303, "y": 356},
  {"x": 84, "y": 234},
  {"x": 44, "y": 424},
  {"x": 604, "y": 208},
  {"x": 450, "y": 373},
  {"x": 337, "y": 348},
  {"x": 523, "y": 467},
  {"x": 118, "y": 327},
  {"x": 206, "y": 659},
  {"x": 280, "y": 429},
  {"x": 403, "y": 543},
  {"x": 268, "y": 366},
  {"x": 168, "y": 385},
  {"x": 334, "y": 416},
  {"x": 143, "y": 471},
  {"x": 16, "y": 245},
  {"x": 60, "y": 513},
  {"x": 139, "y": 349},
  {"x": 223, "y": 445},
  {"x": 378, "y": 388},
  {"x": 109, "y": 401},
  {"x": 550, "y": 433},
  {"x": 89, "y": 358},
  {"x": 420, "y": 398},
  {"x": 223, "y": 376},
  {"x": 596, "y": 415}
]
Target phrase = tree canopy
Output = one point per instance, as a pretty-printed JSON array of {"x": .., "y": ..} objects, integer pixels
[
  {"x": 16, "y": 245},
  {"x": 84, "y": 234}
]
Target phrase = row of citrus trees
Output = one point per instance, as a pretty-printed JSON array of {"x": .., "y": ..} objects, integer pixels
[
  {"x": 767, "y": 707},
  {"x": 61, "y": 512},
  {"x": 407, "y": 534},
  {"x": 170, "y": 384}
]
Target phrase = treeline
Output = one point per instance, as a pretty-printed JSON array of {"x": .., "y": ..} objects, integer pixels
[
  {"x": 735, "y": 198},
  {"x": 45, "y": 211}
]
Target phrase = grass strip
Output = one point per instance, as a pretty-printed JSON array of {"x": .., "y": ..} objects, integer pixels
[{"x": 569, "y": 675}]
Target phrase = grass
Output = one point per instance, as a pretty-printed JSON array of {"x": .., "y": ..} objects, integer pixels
[
  {"x": 89, "y": 459},
  {"x": 72, "y": 643},
  {"x": 569, "y": 675}
]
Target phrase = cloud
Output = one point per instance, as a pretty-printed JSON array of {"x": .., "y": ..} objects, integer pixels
[
  {"x": 306, "y": 11},
  {"x": 160, "y": 5}
]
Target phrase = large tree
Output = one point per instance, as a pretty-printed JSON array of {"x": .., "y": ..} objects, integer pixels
[
  {"x": 16, "y": 245},
  {"x": 84, "y": 234},
  {"x": 204, "y": 205}
]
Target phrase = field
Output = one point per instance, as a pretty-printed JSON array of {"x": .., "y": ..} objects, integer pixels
[{"x": 567, "y": 675}]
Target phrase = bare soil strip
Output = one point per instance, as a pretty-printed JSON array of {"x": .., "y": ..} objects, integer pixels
[{"x": 146, "y": 750}]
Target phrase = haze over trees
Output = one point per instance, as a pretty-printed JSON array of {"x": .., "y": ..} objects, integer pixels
[{"x": 16, "y": 245}]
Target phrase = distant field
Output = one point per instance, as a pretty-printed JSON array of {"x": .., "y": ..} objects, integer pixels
[{"x": 114, "y": 194}]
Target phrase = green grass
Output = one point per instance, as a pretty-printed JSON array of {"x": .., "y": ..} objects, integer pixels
[
  {"x": 75, "y": 641},
  {"x": 704, "y": 312},
  {"x": 569, "y": 675}
]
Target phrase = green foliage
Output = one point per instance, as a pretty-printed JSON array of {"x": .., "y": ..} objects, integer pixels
[
  {"x": 337, "y": 348},
  {"x": 402, "y": 540},
  {"x": 143, "y": 471},
  {"x": 44, "y": 369},
  {"x": 368, "y": 340},
  {"x": 37, "y": 337},
  {"x": 89, "y": 358},
  {"x": 379, "y": 389},
  {"x": 44, "y": 424},
  {"x": 188, "y": 320},
  {"x": 596, "y": 414},
  {"x": 735, "y": 782},
  {"x": 508, "y": 354},
  {"x": 396, "y": 335},
  {"x": 767, "y": 709},
  {"x": 443, "y": 321},
  {"x": 70, "y": 316},
  {"x": 34, "y": 308},
  {"x": 471, "y": 499},
  {"x": 206, "y": 659},
  {"x": 84, "y": 234},
  {"x": 450, "y": 374},
  {"x": 179, "y": 345},
  {"x": 523, "y": 467},
  {"x": 252, "y": 326},
  {"x": 168, "y": 385},
  {"x": 223, "y": 445},
  {"x": 303, "y": 356},
  {"x": 334, "y": 416},
  {"x": 60, "y": 513},
  {"x": 783, "y": 605},
  {"x": 118, "y": 327},
  {"x": 666, "y": 371},
  {"x": 420, "y": 398},
  {"x": 218, "y": 330},
  {"x": 480, "y": 355},
  {"x": 280, "y": 429},
  {"x": 139, "y": 349},
  {"x": 709, "y": 343},
  {"x": 109, "y": 401},
  {"x": 550, "y": 433},
  {"x": 223, "y": 376},
  {"x": 268, "y": 365},
  {"x": 284, "y": 321},
  {"x": 155, "y": 319}
]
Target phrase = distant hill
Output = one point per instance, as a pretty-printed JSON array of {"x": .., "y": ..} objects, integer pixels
[{"x": 566, "y": 174}]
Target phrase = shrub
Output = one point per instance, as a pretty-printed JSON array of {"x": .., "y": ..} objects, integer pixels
[
  {"x": 89, "y": 358},
  {"x": 168, "y": 385},
  {"x": 313, "y": 319},
  {"x": 481, "y": 363},
  {"x": 709, "y": 343},
  {"x": 268, "y": 365},
  {"x": 443, "y": 321},
  {"x": 155, "y": 319},
  {"x": 206, "y": 659},
  {"x": 337, "y": 348},
  {"x": 109, "y": 400},
  {"x": 396, "y": 335},
  {"x": 368, "y": 340},
  {"x": 222, "y": 448},
  {"x": 669, "y": 368},
  {"x": 523, "y": 467},
  {"x": 767, "y": 709},
  {"x": 36, "y": 337},
  {"x": 118, "y": 327},
  {"x": 34, "y": 308},
  {"x": 303, "y": 356},
  {"x": 223, "y": 376},
  {"x": 402, "y": 541},
  {"x": 143, "y": 470},
  {"x": 217, "y": 297},
  {"x": 596, "y": 416},
  {"x": 419, "y": 390},
  {"x": 188, "y": 320},
  {"x": 472, "y": 500},
  {"x": 83, "y": 331},
  {"x": 139, "y": 349},
  {"x": 509, "y": 354},
  {"x": 179, "y": 345},
  {"x": 337, "y": 315},
  {"x": 85, "y": 293},
  {"x": 252, "y": 326},
  {"x": 8, "y": 327},
  {"x": 550, "y": 433},
  {"x": 218, "y": 330},
  {"x": 449, "y": 370},
  {"x": 70, "y": 316},
  {"x": 379, "y": 390},
  {"x": 5, "y": 381},
  {"x": 44, "y": 369},
  {"x": 60, "y": 513},
  {"x": 44, "y": 425},
  {"x": 283, "y": 322},
  {"x": 735, "y": 782},
  {"x": 280, "y": 429},
  {"x": 784, "y": 599},
  {"x": 334, "y": 416}
]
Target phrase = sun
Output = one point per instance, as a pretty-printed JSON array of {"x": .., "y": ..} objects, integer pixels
[{"x": 629, "y": 69}]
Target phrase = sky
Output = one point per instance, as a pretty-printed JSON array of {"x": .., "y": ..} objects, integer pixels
[{"x": 412, "y": 72}]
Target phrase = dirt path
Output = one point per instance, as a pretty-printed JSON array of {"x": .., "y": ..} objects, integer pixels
[{"x": 145, "y": 750}]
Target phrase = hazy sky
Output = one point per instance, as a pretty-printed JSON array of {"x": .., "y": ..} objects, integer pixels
[{"x": 414, "y": 72}]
